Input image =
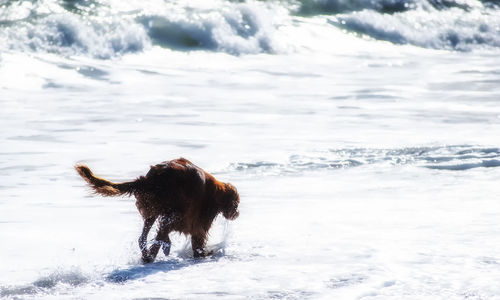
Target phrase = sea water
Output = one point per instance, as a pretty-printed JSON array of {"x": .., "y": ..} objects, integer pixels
[{"x": 363, "y": 137}]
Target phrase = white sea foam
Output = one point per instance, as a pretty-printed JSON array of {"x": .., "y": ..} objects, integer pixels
[
  {"x": 67, "y": 35},
  {"x": 109, "y": 29},
  {"x": 106, "y": 29},
  {"x": 458, "y": 158},
  {"x": 233, "y": 28},
  {"x": 453, "y": 29}
]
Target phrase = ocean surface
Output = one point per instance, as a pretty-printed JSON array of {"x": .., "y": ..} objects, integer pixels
[{"x": 363, "y": 137}]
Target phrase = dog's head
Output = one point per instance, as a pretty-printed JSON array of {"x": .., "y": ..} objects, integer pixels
[{"x": 229, "y": 201}]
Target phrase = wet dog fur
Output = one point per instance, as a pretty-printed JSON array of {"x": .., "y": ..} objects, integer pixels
[{"x": 177, "y": 193}]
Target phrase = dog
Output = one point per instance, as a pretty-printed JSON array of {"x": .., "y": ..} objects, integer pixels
[{"x": 180, "y": 195}]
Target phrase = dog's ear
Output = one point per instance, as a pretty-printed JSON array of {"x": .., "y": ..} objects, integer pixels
[{"x": 230, "y": 199}]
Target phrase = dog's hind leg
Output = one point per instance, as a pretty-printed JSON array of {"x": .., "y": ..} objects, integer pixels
[
  {"x": 161, "y": 240},
  {"x": 143, "y": 239}
]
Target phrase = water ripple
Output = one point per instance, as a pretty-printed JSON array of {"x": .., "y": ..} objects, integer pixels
[{"x": 450, "y": 158}]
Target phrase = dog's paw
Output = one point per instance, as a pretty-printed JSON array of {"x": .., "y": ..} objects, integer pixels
[
  {"x": 199, "y": 253},
  {"x": 147, "y": 259}
]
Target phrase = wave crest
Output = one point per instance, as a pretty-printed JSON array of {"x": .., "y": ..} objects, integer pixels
[
  {"x": 452, "y": 29},
  {"x": 66, "y": 35},
  {"x": 108, "y": 28},
  {"x": 101, "y": 31},
  {"x": 236, "y": 29}
]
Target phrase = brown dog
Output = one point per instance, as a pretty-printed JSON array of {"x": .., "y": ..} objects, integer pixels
[{"x": 183, "y": 198}]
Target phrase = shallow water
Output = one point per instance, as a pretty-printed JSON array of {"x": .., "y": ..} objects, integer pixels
[{"x": 367, "y": 166}]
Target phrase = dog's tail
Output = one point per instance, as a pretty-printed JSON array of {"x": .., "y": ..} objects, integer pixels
[{"x": 103, "y": 186}]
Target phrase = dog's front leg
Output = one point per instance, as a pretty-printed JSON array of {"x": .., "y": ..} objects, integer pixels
[
  {"x": 143, "y": 239},
  {"x": 198, "y": 244}
]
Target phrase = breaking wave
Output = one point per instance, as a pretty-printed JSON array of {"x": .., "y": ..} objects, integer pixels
[
  {"x": 108, "y": 28},
  {"x": 452, "y": 29},
  {"x": 104, "y": 29},
  {"x": 452, "y": 158}
]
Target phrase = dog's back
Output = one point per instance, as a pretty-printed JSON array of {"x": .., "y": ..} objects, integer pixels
[
  {"x": 175, "y": 178},
  {"x": 183, "y": 189}
]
